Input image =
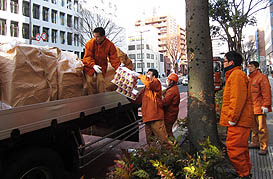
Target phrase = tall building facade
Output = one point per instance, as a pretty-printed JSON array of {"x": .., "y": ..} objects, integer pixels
[
  {"x": 268, "y": 35},
  {"x": 168, "y": 29},
  {"x": 106, "y": 8},
  {"x": 27, "y": 20},
  {"x": 260, "y": 52},
  {"x": 145, "y": 41}
]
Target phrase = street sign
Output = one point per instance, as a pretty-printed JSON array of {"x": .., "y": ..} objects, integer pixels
[
  {"x": 37, "y": 37},
  {"x": 44, "y": 36}
]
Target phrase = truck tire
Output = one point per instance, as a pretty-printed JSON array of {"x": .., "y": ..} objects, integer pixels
[{"x": 35, "y": 163}]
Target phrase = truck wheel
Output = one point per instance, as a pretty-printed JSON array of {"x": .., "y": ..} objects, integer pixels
[{"x": 35, "y": 164}]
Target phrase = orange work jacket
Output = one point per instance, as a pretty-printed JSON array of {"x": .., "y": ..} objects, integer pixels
[
  {"x": 237, "y": 105},
  {"x": 96, "y": 54},
  {"x": 171, "y": 103},
  {"x": 261, "y": 91},
  {"x": 150, "y": 97}
]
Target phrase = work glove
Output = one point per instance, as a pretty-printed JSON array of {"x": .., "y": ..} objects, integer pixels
[
  {"x": 135, "y": 74},
  {"x": 264, "y": 110},
  {"x": 122, "y": 65},
  {"x": 97, "y": 68},
  {"x": 231, "y": 123}
]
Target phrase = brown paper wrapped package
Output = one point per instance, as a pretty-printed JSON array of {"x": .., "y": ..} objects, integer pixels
[
  {"x": 70, "y": 76},
  {"x": 28, "y": 75}
]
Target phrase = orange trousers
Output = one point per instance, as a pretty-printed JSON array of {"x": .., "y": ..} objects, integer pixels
[
  {"x": 260, "y": 134},
  {"x": 237, "y": 149},
  {"x": 169, "y": 128},
  {"x": 157, "y": 128},
  {"x": 95, "y": 84}
]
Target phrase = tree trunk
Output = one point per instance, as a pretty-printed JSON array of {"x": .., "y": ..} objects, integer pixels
[{"x": 201, "y": 104}]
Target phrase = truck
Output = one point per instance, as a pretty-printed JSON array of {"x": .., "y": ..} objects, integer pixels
[
  {"x": 217, "y": 73},
  {"x": 44, "y": 140}
]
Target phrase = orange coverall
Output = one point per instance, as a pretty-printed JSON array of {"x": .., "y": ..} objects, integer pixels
[
  {"x": 96, "y": 54},
  {"x": 171, "y": 102},
  {"x": 238, "y": 108},
  {"x": 261, "y": 96},
  {"x": 152, "y": 111}
]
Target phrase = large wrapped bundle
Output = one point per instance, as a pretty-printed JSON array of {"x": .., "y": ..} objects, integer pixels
[
  {"x": 28, "y": 74},
  {"x": 70, "y": 76},
  {"x": 111, "y": 71}
]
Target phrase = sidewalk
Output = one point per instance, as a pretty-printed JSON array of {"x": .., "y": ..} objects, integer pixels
[{"x": 262, "y": 166}]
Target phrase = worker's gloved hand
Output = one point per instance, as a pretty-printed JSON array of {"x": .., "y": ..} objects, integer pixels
[
  {"x": 231, "y": 123},
  {"x": 264, "y": 110},
  {"x": 135, "y": 74},
  {"x": 97, "y": 68},
  {"x": 122, "y": 65}
]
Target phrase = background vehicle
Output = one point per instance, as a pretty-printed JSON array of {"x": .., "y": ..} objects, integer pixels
[
  {"x": 185, "y": 80},
  {"x": 217, "y": 73}
]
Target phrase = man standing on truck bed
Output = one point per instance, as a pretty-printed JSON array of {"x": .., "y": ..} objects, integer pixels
[{"x": 95, "y": 61}]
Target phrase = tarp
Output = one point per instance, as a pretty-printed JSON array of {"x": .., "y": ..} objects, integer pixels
[
  {"x": 70, "y": 76},
  {"x": 28, "y": 74}
]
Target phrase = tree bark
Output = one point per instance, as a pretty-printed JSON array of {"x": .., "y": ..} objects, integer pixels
[{"x": 201, "y": 103}]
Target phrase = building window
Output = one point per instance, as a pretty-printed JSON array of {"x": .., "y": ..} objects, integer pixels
[
  {"x": 54, "y": 36},
  {"x": 152, "y": 65},
  {"x": 35, "y": 31},
  {"x": 63, "y": 3},
  {"x": 62, "y": 36},
  {"x": 148, "y": 56},
  {"x": 76, "y": 5},
  {"x": 25, "y": 31},
  {"x": 161, "y": 58},
  {"x": 3, "y": 27},
  {"x": 54, "y": 16},
  {"x": 45, "y": 14},
  {"x": 36, "y": 11},
  {"x": 140, "y": 66},
  {"x": 62, "y": 17},
  {"x": 25, "y": 8},
  {"x": 54, "y": 1},
  {"x": 46, "y": 30},
  {"x": 69, "y": 4},
  {"x": 132, "y": 56},
  {"x": 14, "y": 6},
  {"x": 14, "y": 29},
  {"x": 152, "y": 56},
  {"x": 77, "y": 53},
  {"x": 147, "y": 46},
  {"x": 148, "y": 65},
  {"x": 76, "y": 40},
  {"x": 131, "y": 47},
  {"x": 3, "y": 5},
  {"x": 138, "y": 56},
  {"x": 69, "y": 38},
  {"x": 139, "y": 45},
  {"x": 76, "y": 22},
  {"x": 69, "y": 20}
]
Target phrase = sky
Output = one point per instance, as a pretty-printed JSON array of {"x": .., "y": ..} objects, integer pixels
[{"x": 131, "y": 10}]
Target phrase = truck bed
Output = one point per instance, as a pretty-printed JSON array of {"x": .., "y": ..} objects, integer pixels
[{"x": 37, "y": 116}]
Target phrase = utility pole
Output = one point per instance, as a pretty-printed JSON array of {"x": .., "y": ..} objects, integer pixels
[
  {"x": 30, "y": 23},
  {"x": 141, "y": 56}
]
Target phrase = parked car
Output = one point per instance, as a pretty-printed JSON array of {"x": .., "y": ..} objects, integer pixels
[{"x": 185, "y": 80}]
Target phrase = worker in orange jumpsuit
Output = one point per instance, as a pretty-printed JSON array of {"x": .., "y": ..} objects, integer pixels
[
  {"x": 171, "y": 102},
  {"x": 237, "y": 113},
  {"x": 95, "y": 60},
  {"x": 261, "y": 96},
  {"x": 152, "y": 112}
]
